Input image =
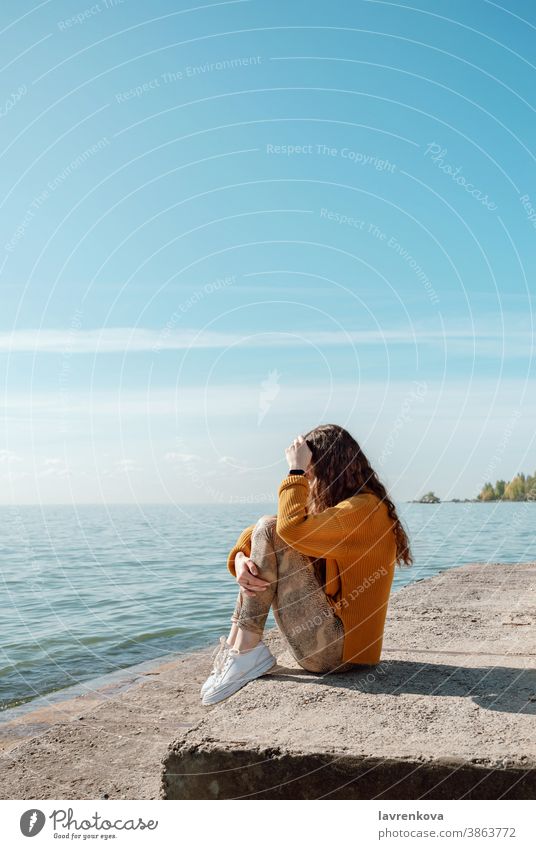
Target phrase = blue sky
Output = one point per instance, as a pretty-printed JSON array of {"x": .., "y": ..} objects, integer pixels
[{"x": 225, "y": 223}]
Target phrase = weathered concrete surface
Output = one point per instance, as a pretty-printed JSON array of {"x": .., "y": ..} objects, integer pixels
[
  {"x": 448, "y": 713},
  {"x": 108, "y": 743}
]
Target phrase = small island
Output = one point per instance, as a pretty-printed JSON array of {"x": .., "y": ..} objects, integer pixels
[{"x": 429, "y": 498}]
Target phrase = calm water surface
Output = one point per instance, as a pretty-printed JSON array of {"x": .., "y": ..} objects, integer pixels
[{"x": 90, "y": 590}]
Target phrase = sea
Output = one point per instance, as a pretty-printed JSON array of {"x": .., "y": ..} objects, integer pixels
[{"x": 91, "y": 590}]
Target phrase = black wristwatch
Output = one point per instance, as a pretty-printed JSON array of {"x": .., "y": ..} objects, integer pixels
[{"x": 296, "y": 472}]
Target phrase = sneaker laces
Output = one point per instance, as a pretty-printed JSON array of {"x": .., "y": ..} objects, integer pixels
[
  {"x": 219, "y": 656},
  {"x": 226, "y": 661}
]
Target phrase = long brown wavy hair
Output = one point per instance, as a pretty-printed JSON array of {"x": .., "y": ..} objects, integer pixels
[{"x": 339, "y": 470}]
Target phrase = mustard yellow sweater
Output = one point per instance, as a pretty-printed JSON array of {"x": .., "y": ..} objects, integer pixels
[{"x": 357, "y": 540}]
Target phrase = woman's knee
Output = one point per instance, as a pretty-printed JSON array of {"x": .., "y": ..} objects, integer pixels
[
  {"x": 267, "y": 519},
  {"x": 266, "y": 526}
]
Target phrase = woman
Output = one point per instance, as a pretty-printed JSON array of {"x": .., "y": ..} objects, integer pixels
[{"x": 324, "y": 564}]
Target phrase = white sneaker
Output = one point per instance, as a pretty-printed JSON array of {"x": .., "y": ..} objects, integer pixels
[
  {"x": 238, "y": 669},
  {"x": 218, "y": 658}
]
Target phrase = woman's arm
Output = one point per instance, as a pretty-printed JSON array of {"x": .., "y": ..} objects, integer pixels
[
  {"x": 320, "y": 534},
  {"x": 243, "y": 543},
  {"x": 245, "y": 570}
]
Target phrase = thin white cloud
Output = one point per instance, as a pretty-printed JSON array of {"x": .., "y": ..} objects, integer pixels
[
  {"x": 120, "y": 468},
  {"x": 8, "y": 457},
  {"x": 232, "y": 463},
  {"x": 231, "y": 400},
  {"x": 129, "y": 340},
  {"x": 54, "y": 467},
  {"x": 177, "y": 457},
  {"x": 12, "y": 477},
  {"x": 128, "y": 465}
]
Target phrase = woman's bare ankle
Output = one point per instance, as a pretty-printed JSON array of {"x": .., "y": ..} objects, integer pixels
[
  {"x": 231, "y": 639},
  {"x": 246, "y": 640}
]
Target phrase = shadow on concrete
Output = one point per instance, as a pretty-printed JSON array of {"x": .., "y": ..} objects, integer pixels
[{"x": 498, "y": 688}]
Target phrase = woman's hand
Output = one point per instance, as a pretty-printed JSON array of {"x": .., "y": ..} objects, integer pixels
[
  {"x": 247, "y": 575},
  {"x": 298, "y": 454}
]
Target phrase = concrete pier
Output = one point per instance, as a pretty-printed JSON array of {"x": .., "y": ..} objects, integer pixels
[{"x": 448, "y": 713}]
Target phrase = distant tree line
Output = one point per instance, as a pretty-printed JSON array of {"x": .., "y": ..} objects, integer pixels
[{"x": 520, "y": 488}]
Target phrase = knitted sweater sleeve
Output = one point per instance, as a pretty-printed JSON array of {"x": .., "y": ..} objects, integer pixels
[
  {"x": 321, "y": 534},
  {"x": 243, "y": 543}
]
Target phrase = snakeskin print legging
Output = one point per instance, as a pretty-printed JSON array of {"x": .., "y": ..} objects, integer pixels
[{"x": 314, "y": 633}]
